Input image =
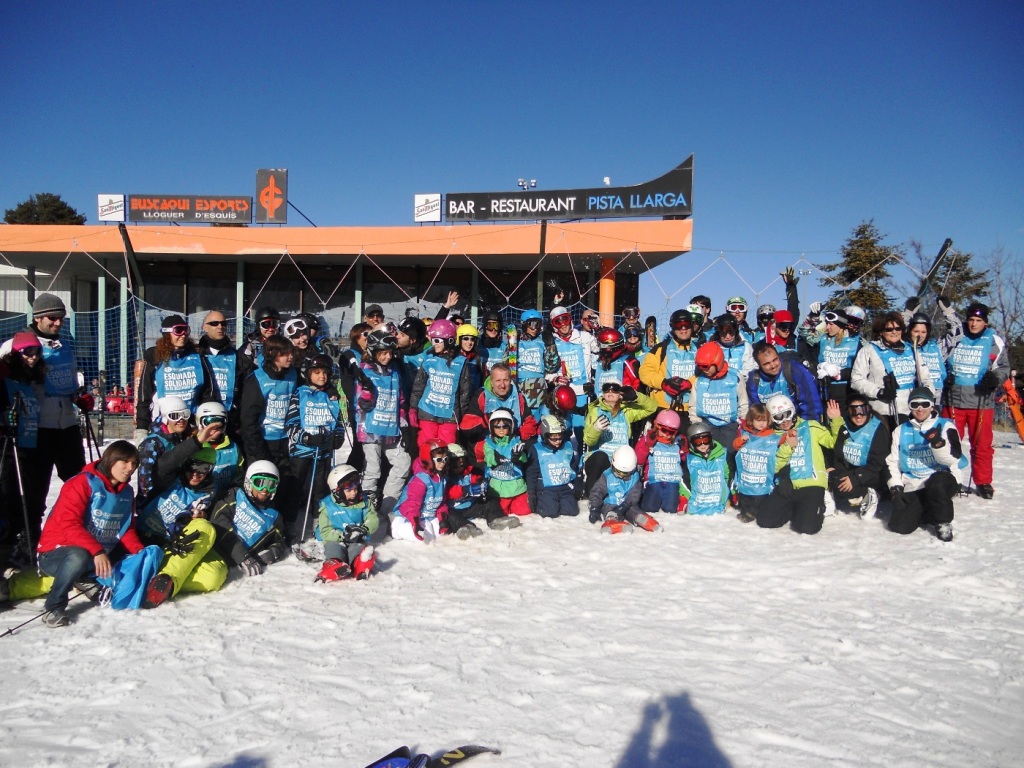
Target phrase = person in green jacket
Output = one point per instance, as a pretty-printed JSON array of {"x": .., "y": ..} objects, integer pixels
[
  {"x": 608, "y": 426},
  {"x": 801, "y": 475}
]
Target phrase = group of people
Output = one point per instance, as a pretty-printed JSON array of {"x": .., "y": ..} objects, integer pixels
[{"x": 418, "y": 431}]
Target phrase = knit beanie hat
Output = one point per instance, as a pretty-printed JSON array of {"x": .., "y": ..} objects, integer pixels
[
  {"x": 48, "y": 305},
  {"x": 24, "y": 340},
  {"x": 977, "y": 310}
]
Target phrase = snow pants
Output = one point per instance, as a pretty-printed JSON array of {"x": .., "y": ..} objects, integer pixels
[
  {"x": 557, "y": 501},
  {"x": 932, "y": 503},
  {"x": 660, "y": 497},
  {"x": 12, "y": 515},
  {"x": 802, "y": 508},
  {"x": 400, "y": 463},
  {"x": 978, "y": 424},
  {"x": 202, "y": 569},
  {"x": 515, "y": 505},
  {"x": 307, "y": 474}
]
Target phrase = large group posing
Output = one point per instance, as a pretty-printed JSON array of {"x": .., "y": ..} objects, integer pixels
[{"x": 290, "y": 444}]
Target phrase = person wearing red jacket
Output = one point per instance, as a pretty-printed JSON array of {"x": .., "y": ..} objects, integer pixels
[{"x": 94, "y": 516}]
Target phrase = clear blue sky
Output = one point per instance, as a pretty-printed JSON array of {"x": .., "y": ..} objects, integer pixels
[{"x": 804, "y": 118}]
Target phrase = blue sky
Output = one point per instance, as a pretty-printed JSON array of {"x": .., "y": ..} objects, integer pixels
[{"x": 804, "y": 118}]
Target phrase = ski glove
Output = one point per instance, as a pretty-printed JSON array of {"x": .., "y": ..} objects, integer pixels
[
  {"x": 588, "y": 388},
  {"x": 934, "y": 438},
  {"x": 182, "y": 543},
  {"x": 274, "y": 553},
  {"x": 913, "y": 305},
  {"x": 887, "y": 393},
  {"x": 949, "y": 381},
  {"x": 517, "y": 450},
  {"x": 789, "y": 276},
  {"x": 945, "y": 305},
  {"x": 85, "y": 402},
  {"x": 602, "y": 422},
  {"x": 896, "y": 491},
  {"x": 628, "y": 395},
  {"x": 815, "y": 308},
  {"x": 317, "y": 439},
  {"x": 252, "y": 566},
  {"x": 989, "y": 382},
  {"x": 355, "y": 534},
  {"x": 674, "y": 385}
]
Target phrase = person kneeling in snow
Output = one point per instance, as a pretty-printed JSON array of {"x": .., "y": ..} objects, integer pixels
[
  {"x": 175, "y": 519},
  {"x": 927, "y": 466},
  {"x": 250, "y": 532},
  {"x": 422, "y": 513},
  {"x": 615, "y": 496},
  {"x": 346, "y": 519},
  {"x": 704, "y": 489},
  {"x": 467, "y": 496},
  {"x": 505, "y": 455},
  {"x": 551, "y": 471}
]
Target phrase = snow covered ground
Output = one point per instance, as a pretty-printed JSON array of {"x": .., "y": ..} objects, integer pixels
[{"x": 711, "y": 644}]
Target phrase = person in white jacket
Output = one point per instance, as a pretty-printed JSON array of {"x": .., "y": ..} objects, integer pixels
[
  {"x": 925, "y": 464},
  {"x": 886, "y": 370}
]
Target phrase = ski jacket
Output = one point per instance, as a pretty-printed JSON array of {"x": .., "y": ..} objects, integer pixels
[
  {"x": 756, "y": 459},
  {"x": 186, "y": 374},
  {"x": 473, "y": 424},
  {"x": 576, "y": 354},
  {"x": 668, "y": 359},
  {"x": 29, "y": 395},
  {"x": 151, "y": 449},
  {"x": 504, "y": 467},
  {"x": 243, "y": 526},
  {"x": 611, "y": 493},
  {"x": 550, "y": 468},
  {"x": 912, "y": 460},
  {"x": 974, "y": 356},
  {"x": 264, "y": 407},
  {"x": 380, "y": 403},
  {"x": 793, "y": 380},
  {"x": 335, "y": 518},
  {"x": 806, "y": 462},
  {"x": 618, "y": 432},
  {"x": 705, "y": 482},
  {"x": 314, "y": 413},
  {"x": 873, "y": 363},
  {"x": 423, "y": 497},
  {"x": 56, "y": 410},
  {"x": 660, "y": 462},
  {"x": 91, "y": 512},
  {"x": 441, "y": 391},
  {"x": 862, "y": 453}
]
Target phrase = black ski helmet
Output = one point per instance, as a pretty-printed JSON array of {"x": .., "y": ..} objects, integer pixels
[
  {"x": 320, "y": 361},
  {"x": 268, "y": 313}
]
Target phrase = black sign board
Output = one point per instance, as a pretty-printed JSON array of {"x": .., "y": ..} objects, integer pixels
[
  {"x": 272, "y": 196},
  {"x": 191, "y": 209},
  {"x": 668, "y": 195}
]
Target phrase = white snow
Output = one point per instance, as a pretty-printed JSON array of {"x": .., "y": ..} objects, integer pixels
[{"x": 714, "y": 643}]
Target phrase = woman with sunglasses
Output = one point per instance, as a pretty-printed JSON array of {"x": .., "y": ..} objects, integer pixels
[
  {"x": 176, "y": 519},
  {"x": 608, "y": 426},
  {"x": 863, "y": 444},
  {"x": 173, "y": 367},
  {"x": 21, "y": 392},
  {"x": 799, "y": 496},
  {"x": 926, "y": 467},
  {"x": 885, "y": 370},
  {"x": 268, "y": 323}
]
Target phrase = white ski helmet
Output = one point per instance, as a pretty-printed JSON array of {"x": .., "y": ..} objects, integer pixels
[
  {"x": 213, "y": 410},
  {"x": 339, "y": 473},
  {"x": 260, "y": 469},
  {"x": 169, "y": 405},
  {"x": 780, "y": 408},
  {"x": 501, "y": 414},
  {"x": 624, "y": 460},
  {"x": 456, "y": 451},
  {"x": 853, "y": 312}
]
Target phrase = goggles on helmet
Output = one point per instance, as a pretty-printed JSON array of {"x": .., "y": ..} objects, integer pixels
[{"x": 266, "y": 483}]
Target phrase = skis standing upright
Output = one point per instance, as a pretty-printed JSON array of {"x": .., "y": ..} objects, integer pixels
[{"x": 512, "y": 356}]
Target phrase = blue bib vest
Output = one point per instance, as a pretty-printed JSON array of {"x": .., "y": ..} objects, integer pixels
[
  {"x": 110, "y": 513},
  {"x": 858, "y": 444},
  {"x": 61, "y": 376},
  {"x": 617, "y": 434},
  {"x": 226, "y": 468},
  {"x": 801, "y": 463},
  {"x": 708, "y": 485},
  {"x": 341, "y": 516},
  {"x": 505, "y": 470},
  {"x": 555, "y": 466},
  {"x": 277, "y": 393},
  {"x": 613, "y": 373},
  {"x": 316, "y": 410},
  {"x": 383, "y": 419},
  {"x": 717, "y": 400},
  {"x": 181, "y": 377},
  {"x": 251, "y": 522},
  {"x": 755, "y": 465},
  {"x": 618, "y": 488},
  {"x": 931, "y": 358},
  {"x": 572, "y": 358},
  {"x": 664, "y": 465},
  {"x": 916, "y": 458},
  {"x": 841, "y": 355},
  {"x": 223, "y": 365},
  {"x": 432, "y": 498},
  {"x": 492, "y": 403},
  {"x": 28, "y": 411},
  {"x": 969, "y": 361},
  {"x": 442, "y": 387},
  {"x": 162, "y": 510},
  {"x": 902, "y": 365},
  {"x": 530, "y": 363}
]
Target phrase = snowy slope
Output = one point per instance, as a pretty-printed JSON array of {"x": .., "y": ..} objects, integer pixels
[{"x": 714, "y": 643}]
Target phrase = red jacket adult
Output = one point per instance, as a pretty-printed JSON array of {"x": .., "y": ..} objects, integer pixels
[{"x": 66, "y": 525}]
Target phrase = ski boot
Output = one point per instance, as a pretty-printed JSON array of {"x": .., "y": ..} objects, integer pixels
[
  {"x": 160, "y": 588},
  {"x": 648, "y": 523},
  {"x": 501, "y": 523},
  {"x": 468, "y": 531},
  {"x": 363, "y": 564},
  {"x": 615, "y": 524},
  {"x": 335, "y": 570},
  {"x": 944, "y": 531}
]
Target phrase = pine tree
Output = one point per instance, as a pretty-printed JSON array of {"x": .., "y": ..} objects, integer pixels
[
  {"x": 44, "y": 208},
  {"x": 861, "y": 275},
  {"x": 955, "y": 277}
]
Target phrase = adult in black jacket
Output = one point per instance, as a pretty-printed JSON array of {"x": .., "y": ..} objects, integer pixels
[
  {"x": 229, "y": 366},
  {"x": 860, "y": 452}
]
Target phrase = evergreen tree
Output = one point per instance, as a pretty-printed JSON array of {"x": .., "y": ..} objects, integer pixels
[
  {"x": 44, "y": 208},
  {"x": 862, "y": 273},
  {"x": 955, "y": 277}
]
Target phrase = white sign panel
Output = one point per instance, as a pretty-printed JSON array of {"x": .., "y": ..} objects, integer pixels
[
  {"x": 111, "y": 207},
  {"x": 426, "y": 208}
]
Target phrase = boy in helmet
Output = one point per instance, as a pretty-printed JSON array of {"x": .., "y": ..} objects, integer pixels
[
  {"x": 660, "y": 453},
  {"x": 704, "y": 489},
  {"x": 537, "y": 359},
  {"x": 442, "y": 388},
  {"x": 615, "y": 496},
  {"x": 228, "y": 468},
  {"x": 468, "y": 498},
  {"x": 493, "y": 344},
  {"x": 614, "y": 361},
  {"x": 346, "y": 521},
  {"x": 551, "y": 470},
  {"x": 505, "y": 455},
  {"x": 719, "y": 397},
  {"x": 250, "y": 531},
  {"x": 316, "y": 427},
  {"x": 738, "y": 307},
  {"x": 669, "y": 366},
  {"x": 422, "y": 512}
]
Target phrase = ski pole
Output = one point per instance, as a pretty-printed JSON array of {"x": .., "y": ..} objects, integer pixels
[
  {"x": 309, "y": 497},
  {"x": 90, "y": 438},
  {"x": 12, "y": 630},
  {"x": 13, "y": 441}
]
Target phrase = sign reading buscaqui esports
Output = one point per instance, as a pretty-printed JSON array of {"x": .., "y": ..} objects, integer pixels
[
  {"x": 190, "y": 208},
  {"x": 668, "y": 195}
]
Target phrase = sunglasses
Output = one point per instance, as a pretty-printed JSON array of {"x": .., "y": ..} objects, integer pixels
[
  {"x": 892, "y": 329},
  {"x": 737, "y": 307},
  {"x": 376, "y": 314},
  {"x": 469, "y": 338},
  {"x": 701, "y": 440},
  {"x": 265, "y": 483},
  {"x": 268, "y": 324},
  {"x": 440, "y": 458},
  {"x": 858, "y": 410},
  {"x": 31, "y": 351},
  {"x": 778, "y": 418},
  {"x": 679, "y": 325},
  {"x": 917, "y": 405},
  {"x": 501, "y": 425},
  {"x": 54, "y": 318},
  {"x": 175, "y": 330},
  {"x": 216, "y": 323},
  {"x": 784, "y": 326},
  {"x": 178, "y": 415}
]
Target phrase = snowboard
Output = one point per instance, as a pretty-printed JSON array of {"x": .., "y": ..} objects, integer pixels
[{"x": 403, "y": 757}]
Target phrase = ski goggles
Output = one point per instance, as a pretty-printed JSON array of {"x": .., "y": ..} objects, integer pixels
[
  {"x": 534, "y": 323},
  {"x": 560, "y": 321},
  {"x": 267, "y": 483},
  {"x": 701, "y": 440},
  {"x": 785, "y": 325},
  {"x": 205, "y": 421},
  {"x": 679, "y": 325},
  {"x": 294, "y": 327},
  {"x": 631, "y": 312},
  {"x": 737, "y": 306},
  {"x": 917, "y": 405},
  {"x": 178, "y": 415},
  {"x": 831, "y": 317},
  {"x": 666, "y": 430},
  {"x": 269, "y": 325},
  {"x": 175, "y": 330},
  {"x": 860, "y": 409},
  {"x": 781, "y": 416},
  {"x": 633, "y": 332},
  {"x": 494, "y": 325},
  {"x": 199, "y": 470},
  {"x": 593, "y": 320}
]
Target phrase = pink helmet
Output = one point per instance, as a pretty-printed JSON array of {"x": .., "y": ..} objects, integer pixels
[
  {"x": 442, "y": 329},
  {"x": 668, "y": 419}
]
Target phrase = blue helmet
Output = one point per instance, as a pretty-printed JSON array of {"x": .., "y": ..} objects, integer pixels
[{"x": 530, "y": 314}]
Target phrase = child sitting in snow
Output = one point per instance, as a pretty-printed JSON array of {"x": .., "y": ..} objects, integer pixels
[
  {"x": 250, "y": 532},
  {"x": 615, "y": 496},
  {"x": 346, "y": 520},
  {"x": 467, "y": 496},
  {"x": 504, "y": 454},
  {"x": 551, "y": 471},
  {"x": 421, "y": 510},
  {"x": 660, "y": 452},
  {"x": 705, "y": 486},
  {"x": 756, "y": 447}
]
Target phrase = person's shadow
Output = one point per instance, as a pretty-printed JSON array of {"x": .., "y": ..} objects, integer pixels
[{"x": 673, "y": 735}]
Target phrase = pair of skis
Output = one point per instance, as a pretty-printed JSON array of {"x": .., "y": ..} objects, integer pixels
[{"x": 403, "y": 757}]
